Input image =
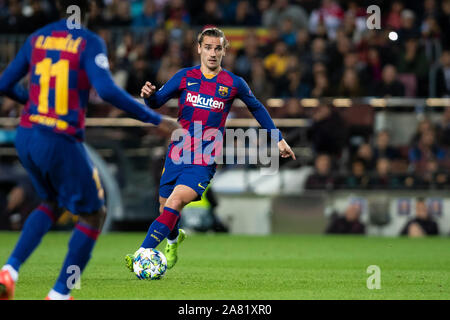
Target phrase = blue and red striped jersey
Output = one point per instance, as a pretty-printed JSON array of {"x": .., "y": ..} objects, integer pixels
[
  {"x": 62, "y": 64},
  {"x": 204, "y": 104}
]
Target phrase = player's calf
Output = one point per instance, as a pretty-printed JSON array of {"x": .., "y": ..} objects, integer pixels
[{"x": 81, "y": 244}]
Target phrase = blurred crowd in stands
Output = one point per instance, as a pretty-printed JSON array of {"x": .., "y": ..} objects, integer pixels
[
  {"x": 374, "y": 163},
  {"x": 311, "y": 49},
  {"x": 422, "y": 224}
]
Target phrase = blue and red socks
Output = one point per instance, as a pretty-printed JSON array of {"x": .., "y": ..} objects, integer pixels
[
  {"x": 81, "y": 244},
  {"x": 161, "y": 228},
  {"x": 173, "y": 235},
  {"x": 36, "y": 226}
]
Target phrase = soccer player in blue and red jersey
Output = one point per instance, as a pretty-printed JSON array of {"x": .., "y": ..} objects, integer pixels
[
  {"x": 206, "y": 93},
  {"x": 63, "y": 63}
]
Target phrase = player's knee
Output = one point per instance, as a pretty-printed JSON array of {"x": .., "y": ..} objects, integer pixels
[
  {"x": 55, "y": 209},
  {"x": 175, "y": 203},
  {"x": 95, "y": 219}
]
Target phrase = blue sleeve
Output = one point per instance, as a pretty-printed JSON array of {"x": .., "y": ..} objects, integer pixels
[
  {"x": 166, "y": 92},
  {"x": 95, "y": 62},
  {"x": 255, "y": 106},
  {"x": 15, "y": 71}
]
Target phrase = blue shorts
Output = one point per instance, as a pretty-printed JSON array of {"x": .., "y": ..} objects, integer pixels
[
  {"x": 60, "y": 169},
  {"x": 194, "y": 176}
]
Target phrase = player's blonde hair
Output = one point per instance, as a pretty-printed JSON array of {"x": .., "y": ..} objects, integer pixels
[{"x": 213, "y": 32}]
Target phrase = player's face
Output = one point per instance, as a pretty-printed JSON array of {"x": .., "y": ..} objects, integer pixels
[{"x": 211, "y": 52}]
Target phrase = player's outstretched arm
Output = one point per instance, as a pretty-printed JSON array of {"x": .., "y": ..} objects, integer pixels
[
  {"x": 155, "y": 99},
  {"x": 96, "y": 64},
  {"x": 262, "y": 116},
  {"x": 15, "y": 71}
]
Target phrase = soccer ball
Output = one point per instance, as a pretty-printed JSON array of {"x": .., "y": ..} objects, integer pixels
[{"x": 150, "y": 264}]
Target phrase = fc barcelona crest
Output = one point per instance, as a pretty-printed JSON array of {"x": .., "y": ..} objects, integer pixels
[{"x": 223, "y": 91}]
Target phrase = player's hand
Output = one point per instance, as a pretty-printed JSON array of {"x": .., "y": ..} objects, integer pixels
[
  {"x": 147, "y": 90},
  {"x": 285, "y": 150},
  {"x": 168, "y": 124}
]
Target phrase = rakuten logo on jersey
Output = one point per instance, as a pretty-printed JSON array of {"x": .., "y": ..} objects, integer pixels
[{"x": 198, "y": 101}]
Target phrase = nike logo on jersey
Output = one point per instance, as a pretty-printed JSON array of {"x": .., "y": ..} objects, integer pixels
[{"x": 191, "y": 83}]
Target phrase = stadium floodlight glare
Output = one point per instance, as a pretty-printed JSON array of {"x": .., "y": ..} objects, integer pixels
[{"x": 393, "y": 36}]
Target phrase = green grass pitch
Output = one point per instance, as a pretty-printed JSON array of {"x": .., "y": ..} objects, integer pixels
[{"x": 289, "y": 267}]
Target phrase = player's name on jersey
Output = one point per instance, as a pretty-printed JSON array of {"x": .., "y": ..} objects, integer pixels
[
  {"x": 58, "y": 43},
  {"x": 50, "y": 122}
]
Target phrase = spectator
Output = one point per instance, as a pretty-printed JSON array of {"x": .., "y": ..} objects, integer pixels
[
  {"x": 358, "y": 177},
  {"x": 424, "y": 151},
  {"x": 408, "y": 27},
  {"x": 149, "y": 17},
  {"x": 122, "y": 14},
  {"x": 17, "y": 197},
  {"x": 349, "y": 223},
  {"x": 383, "y": 178},
  {"x": 430, "y": 9},
  {"x": 328, "y": 132},
  {"x": 245, "y": 55},
  {"x": 349, "y": 85},
  {"x": 318, "y": 53},
  {"x": 296, "y": 86},
  {"x": 288, "y": 32},
  {"x": 443, "y": 76},
  {"x": 211, "y": 14},
  {"x": 389, "y": 86},
  {"x": 444, "y": 23},
  {"x": 39, "y": 17},
  {"x": 365, "y": 154},
  {"x": 176, "y": 14},
  {"x": 341, "y": 47},
  {"x": 443, "y": 129},
  {"x": 259, "y": 83},
  {"x": 158, "y": 45},
  {"x": 302, "y": 43},
  {"x": 95, "y": 17},
  {"x": 424, "y": 125},
  {"x": 138, "y": 75},
  {"x": 245, "y": 14},
  {"x": 14, "y": 21},
  {"x": 382, "y": 148},
  {"x": 281, "y": 10},
  {"x": 329, "y": 15},
  {"x": 373, "y": 73},
  {"x": 423, "y": 224},
  {"x": 413, "y": 61},
  {"x": 430, "y": 29},
  {"x": 321, "y": 87},
  {"x": 294, "y": 109},
  {"x": 393, "y": 19},
  {"x": 276, "y": 62},
  {"x": 322, "y": 177}
]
